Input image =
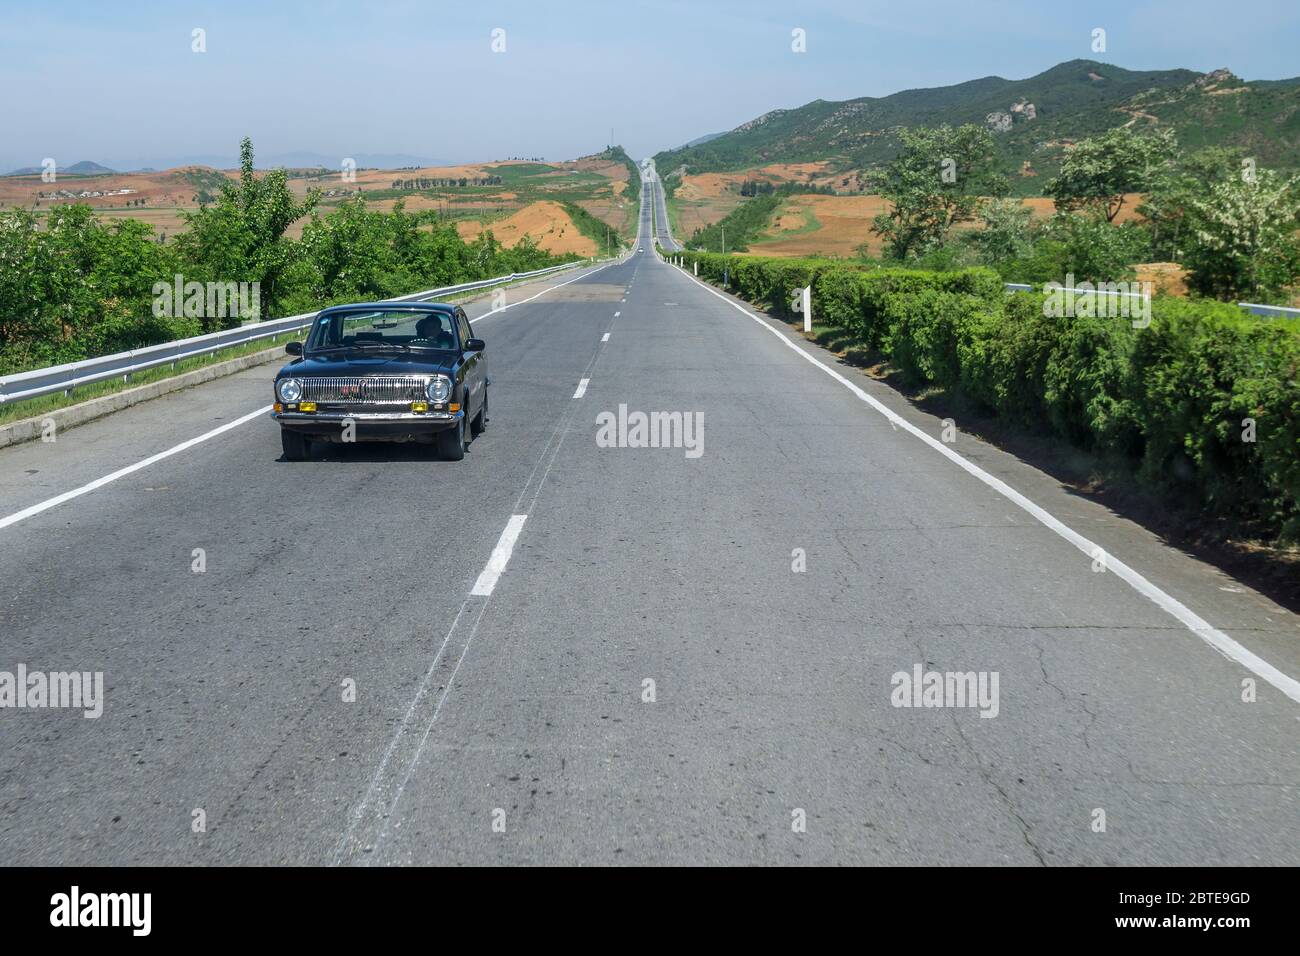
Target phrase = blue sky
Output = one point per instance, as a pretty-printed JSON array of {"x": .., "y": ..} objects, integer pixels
[{"x": 118, "y": 83}]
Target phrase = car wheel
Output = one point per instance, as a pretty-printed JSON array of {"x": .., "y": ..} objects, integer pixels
[
  {"x": 451, "y": 443},
  {"x": 296, "y": 445},
  {"x": 480, "y": 420}
]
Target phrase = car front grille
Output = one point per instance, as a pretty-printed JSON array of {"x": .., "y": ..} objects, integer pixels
[{"x": 365, "y": 390}]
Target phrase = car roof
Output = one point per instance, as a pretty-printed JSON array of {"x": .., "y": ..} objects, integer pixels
[{"x": 441, "y": 307}]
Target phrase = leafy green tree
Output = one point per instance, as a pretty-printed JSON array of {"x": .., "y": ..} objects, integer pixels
[
  {"x": 1174, "y": 189},
  {"x": 442, "y": 257},
  {"x": 1244, "y": 242},
  {"x": 22, "y": 320},
  {"x": 1084, "y": 246},
  {"x": 350, "y": 252},
  {"x": 78, "y": 287},
  {"x": 1007, "y": 233},
  {"x": 241, "y": 237},
  {"x": 940, "y": 178},
  {"x": 1097, "y": 173}
]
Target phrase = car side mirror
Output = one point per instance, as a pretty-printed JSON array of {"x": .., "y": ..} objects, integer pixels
[
  {"x": 475, "y": 345},
  {"x": 293, "y": 348}
]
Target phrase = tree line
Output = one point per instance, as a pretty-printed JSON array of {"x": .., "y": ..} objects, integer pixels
[
  {"x": 763, "y": 187},
  {"x": 425, "y": 183}
]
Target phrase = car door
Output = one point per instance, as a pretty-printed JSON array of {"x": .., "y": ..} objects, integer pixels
[{"x": 475, "y": 368}]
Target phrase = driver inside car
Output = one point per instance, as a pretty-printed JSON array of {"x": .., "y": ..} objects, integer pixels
[{"x": 430, "y": 328}]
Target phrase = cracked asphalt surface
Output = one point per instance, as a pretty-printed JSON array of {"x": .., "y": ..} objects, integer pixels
[{"x": 527, "y": 708}]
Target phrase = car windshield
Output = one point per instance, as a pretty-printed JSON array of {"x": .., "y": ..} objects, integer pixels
[{"x": 383, "y": 330}]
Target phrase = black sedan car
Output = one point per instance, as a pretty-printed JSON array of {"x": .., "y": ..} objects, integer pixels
[{"x": 384, "y": 371}]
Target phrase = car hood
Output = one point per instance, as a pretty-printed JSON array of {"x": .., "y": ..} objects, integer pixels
[{"x": 358, "y": 363}]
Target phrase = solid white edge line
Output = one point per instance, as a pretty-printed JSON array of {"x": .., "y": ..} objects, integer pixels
[
  {"x": 1217, "y": 639},
  {"x": 582, "y": 388},
  {"x": 49, "y": 503},
  {"x": 500, "y": 557}
]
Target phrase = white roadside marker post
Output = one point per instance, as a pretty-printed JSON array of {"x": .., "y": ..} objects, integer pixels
[{"x": 807, "y": 308}]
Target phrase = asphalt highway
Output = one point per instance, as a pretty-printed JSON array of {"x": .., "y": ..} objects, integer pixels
[
  {"x": 663, "y": 227},
  {"x": 557, "y": 651}
]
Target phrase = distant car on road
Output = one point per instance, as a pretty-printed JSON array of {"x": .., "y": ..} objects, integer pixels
[{"x": 384, "y": 371}]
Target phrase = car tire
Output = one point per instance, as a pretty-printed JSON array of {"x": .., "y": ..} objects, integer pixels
[
  {"x": 296, "y": 445},
  {"x": 480, "y": 420},
  {"x": 451, "y": 443}
]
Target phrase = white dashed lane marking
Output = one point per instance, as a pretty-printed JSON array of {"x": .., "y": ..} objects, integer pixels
[{"x": 496, "y": 565}]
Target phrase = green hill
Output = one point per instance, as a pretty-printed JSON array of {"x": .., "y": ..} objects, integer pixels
[
  {"x": 88, "y": 168},
  {"x": 1033, "y": 119},
  {"x": 83, "y": 168}
]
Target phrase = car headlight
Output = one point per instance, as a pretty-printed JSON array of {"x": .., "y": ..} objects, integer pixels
[
  {"x": 439, "y": 389},
  {"x": 289, "y": 389}
]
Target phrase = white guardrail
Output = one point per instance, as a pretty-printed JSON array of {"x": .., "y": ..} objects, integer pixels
[{"x": 64, "y": 378}]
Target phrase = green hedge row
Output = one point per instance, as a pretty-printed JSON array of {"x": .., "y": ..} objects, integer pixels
[
  {"x": 1203, "y": 403},
  {"x": 769, "y": 282}
]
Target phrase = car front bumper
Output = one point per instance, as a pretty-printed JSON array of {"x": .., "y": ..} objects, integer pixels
[{"x": 369, "y": 426}]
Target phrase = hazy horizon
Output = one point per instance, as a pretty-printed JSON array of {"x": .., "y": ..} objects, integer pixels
[{"x": 404, "y": 80}]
